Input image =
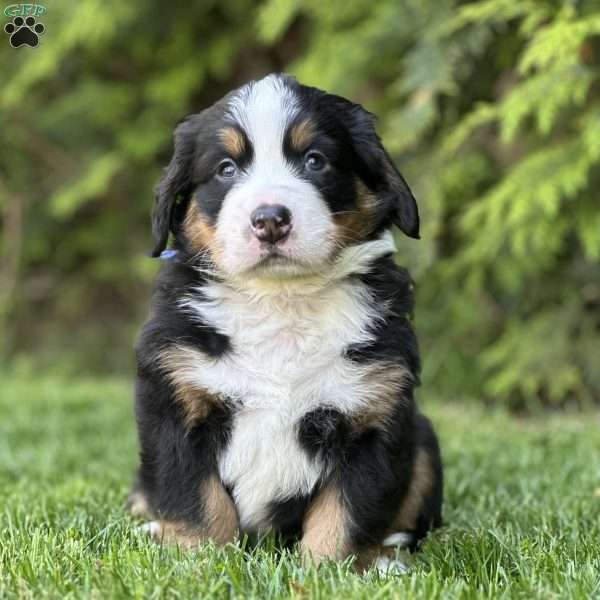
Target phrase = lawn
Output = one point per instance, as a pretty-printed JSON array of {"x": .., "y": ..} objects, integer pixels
[{"x": 522, "y": 510}]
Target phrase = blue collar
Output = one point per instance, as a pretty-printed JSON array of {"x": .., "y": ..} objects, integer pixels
[{"x": 168, "y": 255}]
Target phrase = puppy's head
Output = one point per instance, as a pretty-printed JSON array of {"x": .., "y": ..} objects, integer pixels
[{"x": 277, "y": 178}]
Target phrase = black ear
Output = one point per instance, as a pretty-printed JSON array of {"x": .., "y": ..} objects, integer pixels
[
  {"x": 406, "y": 212},
  {"x": 173, "y": 190},
  {"x": 379, "y": 172}
]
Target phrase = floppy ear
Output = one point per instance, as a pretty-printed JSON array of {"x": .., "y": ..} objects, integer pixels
[
  {"x": 379, "y": 172},
  {"x": 173, "y": 190},
  {"x": 406, "y": 212}
]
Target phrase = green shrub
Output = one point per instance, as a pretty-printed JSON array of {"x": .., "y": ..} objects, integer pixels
[{"x": 492, "y": 109}]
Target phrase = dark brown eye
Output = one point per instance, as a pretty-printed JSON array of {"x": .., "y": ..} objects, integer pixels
[
  {"x": 314, "y": 161},
  {"x": 227, "y": 169}
]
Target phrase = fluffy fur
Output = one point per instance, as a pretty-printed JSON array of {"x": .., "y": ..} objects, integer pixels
[{"x": 276, "y": 372}]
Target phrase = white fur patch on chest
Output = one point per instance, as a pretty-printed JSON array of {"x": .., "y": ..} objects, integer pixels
[{"x": 287, "y": 359}]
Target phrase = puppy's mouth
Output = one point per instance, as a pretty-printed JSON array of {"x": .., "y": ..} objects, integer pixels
[
  {"x": 272, "y": 255},
  {"x": 276, "y": 262}
]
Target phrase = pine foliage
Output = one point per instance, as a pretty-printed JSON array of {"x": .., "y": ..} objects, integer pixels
[{"x": 491, "y": 108}]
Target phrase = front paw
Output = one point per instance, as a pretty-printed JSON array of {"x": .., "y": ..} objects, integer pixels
[
  {"x": 138, "y": 505},
  {"x": 172, "y": 532}
]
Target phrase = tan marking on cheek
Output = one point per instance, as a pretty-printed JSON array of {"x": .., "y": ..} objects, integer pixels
[
  {"x": 233, "y": 141},
  {"x": 199, "y": 233},
  {"x": 386, "y": 383},
  {"x": 220, "y": 515},
  {"x": 197, "y": 403},
  {"x": 420, "y": 486},
  {"x": 302, "y": 135},
  {"x": 325, "y": 532},
  {"x": 355, "y": 224}
]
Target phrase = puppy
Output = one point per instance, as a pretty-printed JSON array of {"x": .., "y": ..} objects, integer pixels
[{"x": 275, "y": 375}]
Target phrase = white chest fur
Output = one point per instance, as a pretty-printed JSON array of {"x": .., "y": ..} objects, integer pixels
[{"x": 286, "y": 359}]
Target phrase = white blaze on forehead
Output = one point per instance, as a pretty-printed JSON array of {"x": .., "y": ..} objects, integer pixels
[{"x": 265, "y": 110}]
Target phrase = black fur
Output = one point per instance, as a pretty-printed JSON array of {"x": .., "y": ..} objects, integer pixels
[
  {"x": 174, "y": 461},
  {"x": 374, "y": 469},
  {"x": 346, "y": 136},
  {"x": 196, "y": 153},
  {"x": 394, "y": 338},
  {"x": 371, "y": 467},
  {"x": 349, "y": 129},
  {"x": 323, "y": 433},
  {"x": 431, "y": 515},
  {"x": 286, "y": 517}
]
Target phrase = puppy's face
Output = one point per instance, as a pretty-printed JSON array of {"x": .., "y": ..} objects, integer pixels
[{"x": 276, "y": 178}]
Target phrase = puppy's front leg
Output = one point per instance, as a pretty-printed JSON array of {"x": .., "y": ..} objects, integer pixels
[
  {"x": 356, "y": 506},
  {"x": 326, "y": 526},
  {"x": 178, "y": 472},
  {"x": 215, "y": 520}
]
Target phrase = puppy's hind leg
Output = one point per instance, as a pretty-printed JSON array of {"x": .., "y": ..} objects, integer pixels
[{"x": 421, "y": 509}]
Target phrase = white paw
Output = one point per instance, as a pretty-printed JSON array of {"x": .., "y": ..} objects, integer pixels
[
  {"x": 149, "y": 528},
  {"x": 390, "y": 566},
  {"x": 138, "y": 505},
  {"x": 401, "y": 539}
]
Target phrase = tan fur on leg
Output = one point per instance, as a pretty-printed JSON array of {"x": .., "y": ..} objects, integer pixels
[
  {"x": 221, "y": 516},
  {"x": 220, "y": 523},
  {"x": 420, "y": 486},
  {"x": 325, "y": 527}
]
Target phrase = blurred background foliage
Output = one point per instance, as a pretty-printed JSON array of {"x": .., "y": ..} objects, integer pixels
[{"x": 491, "y": 109}]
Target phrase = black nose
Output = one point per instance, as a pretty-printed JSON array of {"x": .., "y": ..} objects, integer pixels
[{"x": 271, "y": 222}]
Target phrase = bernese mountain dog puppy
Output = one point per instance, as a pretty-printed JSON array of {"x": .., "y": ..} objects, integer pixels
[{"x": 275, "y": 375}]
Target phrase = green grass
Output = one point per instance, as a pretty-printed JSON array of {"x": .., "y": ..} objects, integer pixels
[{"x": 522, "y": 510}]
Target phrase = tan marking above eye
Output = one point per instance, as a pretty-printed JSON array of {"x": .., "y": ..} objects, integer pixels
[
  {"x": 233, "y": 140},
  {"x": 302, "y": 135}
]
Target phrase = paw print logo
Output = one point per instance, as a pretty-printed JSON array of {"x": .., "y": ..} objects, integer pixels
[{"x": 24, "y": 32}]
